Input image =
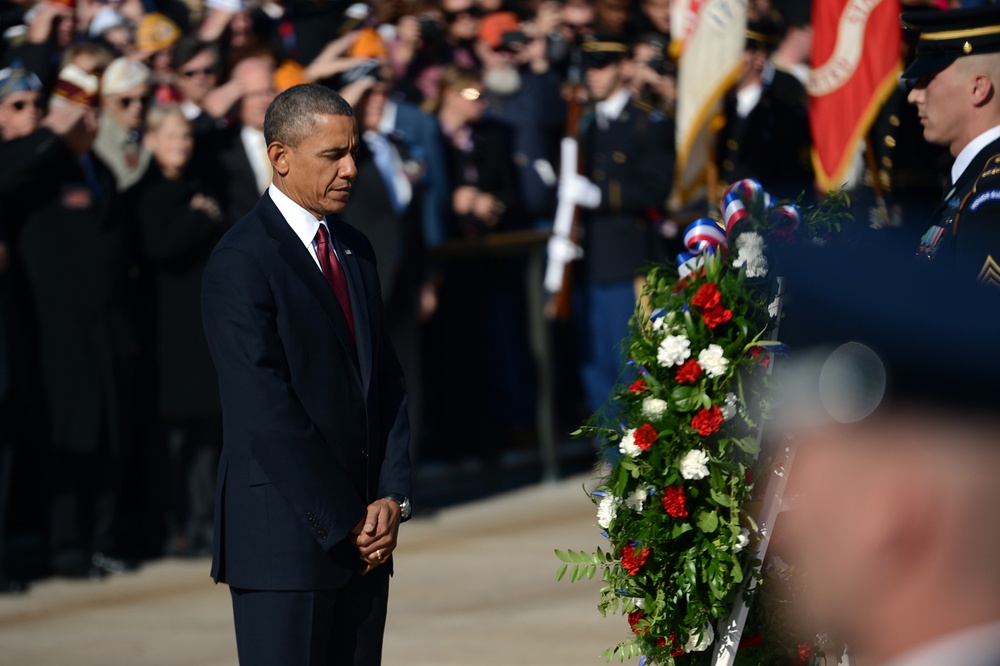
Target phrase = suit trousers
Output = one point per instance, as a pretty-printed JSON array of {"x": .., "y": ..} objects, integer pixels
[{"x": 342, "y": 627}]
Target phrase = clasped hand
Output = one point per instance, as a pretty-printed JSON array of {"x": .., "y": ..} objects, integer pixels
[{"x": 375, "y": 536}]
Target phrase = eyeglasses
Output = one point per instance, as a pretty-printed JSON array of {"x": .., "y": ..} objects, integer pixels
[
  {"x": 205, "y": 71},
  {"x": 126, "y": 102},
  {"x": 471, "y": 11},
  {"x": 470, "y": 94},
  {"x": 21, "y": 104}
]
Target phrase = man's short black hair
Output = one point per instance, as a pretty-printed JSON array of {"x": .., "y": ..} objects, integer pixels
[
  {"x": 292, "y": 114},
  {"x": 188, "y": 47}
]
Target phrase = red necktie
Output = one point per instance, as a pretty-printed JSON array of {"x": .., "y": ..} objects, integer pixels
[{"x": 334, "y": 274}]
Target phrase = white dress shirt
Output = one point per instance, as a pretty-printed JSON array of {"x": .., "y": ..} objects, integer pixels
[
  {"x": 256, "y": 150},
  {"x": 965, "y": 157},
  {"x": 303, "y": 223},
  {"x": 607, "y": 111},
  {"x": 979, "y": 646}
]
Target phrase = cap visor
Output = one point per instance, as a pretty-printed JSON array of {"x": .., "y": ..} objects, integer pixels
[{"x": 924, "y": 66}]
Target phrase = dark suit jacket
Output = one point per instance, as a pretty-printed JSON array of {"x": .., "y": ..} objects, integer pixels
[
  {"x": 232, "y": 177},
  {"x": 313, "y": 431},
  {"x": 396, "y": 237}
]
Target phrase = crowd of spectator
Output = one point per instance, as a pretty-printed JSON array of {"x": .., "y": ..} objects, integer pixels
[{"x": 131, "y": 139}]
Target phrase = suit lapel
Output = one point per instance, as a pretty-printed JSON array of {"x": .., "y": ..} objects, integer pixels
[
  {"x": 298, "y": 258},
  {"x": 359, "y": 304}
]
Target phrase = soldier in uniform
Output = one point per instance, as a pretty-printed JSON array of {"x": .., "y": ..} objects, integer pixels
[
  {"x": 767, "y": 122},
  {"x": 627, "y": 152},
  {"x": 957, "y": 95}
]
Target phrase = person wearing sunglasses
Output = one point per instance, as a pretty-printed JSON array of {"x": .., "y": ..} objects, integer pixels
[
  {"x": 20, "y": 102},
  {"x": 124, "y": 91}
]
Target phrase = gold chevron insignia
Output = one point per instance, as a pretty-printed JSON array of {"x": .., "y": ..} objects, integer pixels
[{"x": 990, "y": 274}]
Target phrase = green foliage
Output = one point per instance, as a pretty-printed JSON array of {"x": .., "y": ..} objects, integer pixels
[{"x": 694, "y": 563}]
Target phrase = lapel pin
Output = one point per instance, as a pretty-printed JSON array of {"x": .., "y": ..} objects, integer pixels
[{"x": 347, "y": 251}]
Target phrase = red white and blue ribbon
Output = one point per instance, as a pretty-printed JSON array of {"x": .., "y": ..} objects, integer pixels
[{"x": 704, "y": 236}]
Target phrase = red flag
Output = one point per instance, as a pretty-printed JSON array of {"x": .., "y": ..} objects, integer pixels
[{"x": 856, "y": 66}]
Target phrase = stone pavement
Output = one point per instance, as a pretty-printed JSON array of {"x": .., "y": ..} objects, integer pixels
[{"x": 474, "y": 584}]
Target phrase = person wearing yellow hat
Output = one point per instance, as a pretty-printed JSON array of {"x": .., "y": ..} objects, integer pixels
[{"x": 956, "y": 89}]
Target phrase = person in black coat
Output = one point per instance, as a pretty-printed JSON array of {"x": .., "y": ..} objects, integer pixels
[
  {"x": 72, "y": 244},
  {"x": 178, "y": 225}
]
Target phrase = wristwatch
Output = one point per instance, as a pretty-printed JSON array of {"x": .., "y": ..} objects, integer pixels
[{"x": 405, "y": 510}]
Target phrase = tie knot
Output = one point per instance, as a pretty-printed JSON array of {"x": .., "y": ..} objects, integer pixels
[{"x": 322, "y": 234}]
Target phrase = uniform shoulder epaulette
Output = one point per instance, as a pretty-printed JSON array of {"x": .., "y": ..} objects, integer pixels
[
  {"x": 642, "y": 106},
  {"x": 986, "y": 189}
]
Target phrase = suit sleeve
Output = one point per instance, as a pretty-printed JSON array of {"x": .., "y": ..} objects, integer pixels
[{"x": 240, "y": 317}]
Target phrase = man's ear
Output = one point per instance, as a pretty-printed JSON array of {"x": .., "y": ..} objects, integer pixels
[
  {"x": 278, "y": 153},
  {"x": 984, "y": 89}
]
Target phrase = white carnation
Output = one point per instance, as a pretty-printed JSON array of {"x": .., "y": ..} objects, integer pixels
[
  {"x": 742, "y": 541},
  {"x": 729, "y": 408},
  {"x": 636, "y": 500},
  {"x": 694, "y": 465},
  {"x": 607, "y": 510},
  {"x": 627, "y": 446},
  {"x": 674, "y": 350},
  {"x": 712, "y": 360},
  {"x": 750, "y": 254},
  {"x": 653, "y": 408},
  {"x": 701, "y": 641},
  {"x": 750, "y": 240}
]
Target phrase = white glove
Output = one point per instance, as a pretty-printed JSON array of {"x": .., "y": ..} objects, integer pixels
[
  {"x": 563, "y": 250},
  {"x": 579, "y": 191}
]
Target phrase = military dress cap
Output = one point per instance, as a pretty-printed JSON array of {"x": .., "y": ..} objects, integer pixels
[
  {"x": 763, "y": 35},
  {"x": 16, "y": 78},
  {"x": 602, "y": 51},
  {"x": 945, "y": 36},
  {"x": 869, "y": 328}
]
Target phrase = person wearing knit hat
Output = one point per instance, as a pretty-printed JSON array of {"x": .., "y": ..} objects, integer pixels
[
  {"x": 124, "y": 92},
  {"x": 20, "y": 102},
  {"x": 155, "y": 37}
]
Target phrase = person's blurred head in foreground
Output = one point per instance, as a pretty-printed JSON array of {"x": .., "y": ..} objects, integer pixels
[
  {"x": 896, "y": 526},
  {"x": 20, "y": 102}
]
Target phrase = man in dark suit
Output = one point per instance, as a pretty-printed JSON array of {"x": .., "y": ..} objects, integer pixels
[
  {"x": 238, "y": 152},
  {"x": 957, "y": 95},
  {"x": 314, "y": 477}
]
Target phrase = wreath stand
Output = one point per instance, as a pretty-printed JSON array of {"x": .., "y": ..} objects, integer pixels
[{"x": 730, "y": 631}]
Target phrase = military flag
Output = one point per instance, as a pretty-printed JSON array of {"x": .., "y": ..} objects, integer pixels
[
  {"x": 709, "y": 42},
  {"x": 856, "y": 66}
]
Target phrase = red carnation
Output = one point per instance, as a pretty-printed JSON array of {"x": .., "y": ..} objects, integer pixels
[
  {"x": 633, "y": 558},
  {"x": 707, "y": 421},
  {"x": 674, "y": 502},
  {"x": 757, "y": 352},
  {"x": 662, "y": 642},
  {"x": 715, "y": 316},
  {"x": 634, "y": 618},
  {"x": 805, "y": 653},
  {"x": 638, "y": 386},
  {"x": 676, "y": 653},
  {"x": 645, "y": 437},
  {"x": 689, "y": 372},
  {"x": 707, "y": 297}
]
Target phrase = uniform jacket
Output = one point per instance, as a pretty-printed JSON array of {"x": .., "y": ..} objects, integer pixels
[
  {"x": 313, "y": 431},
  {"x": 970, "y": 219},
  {"x": 632, "y": 161}
]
